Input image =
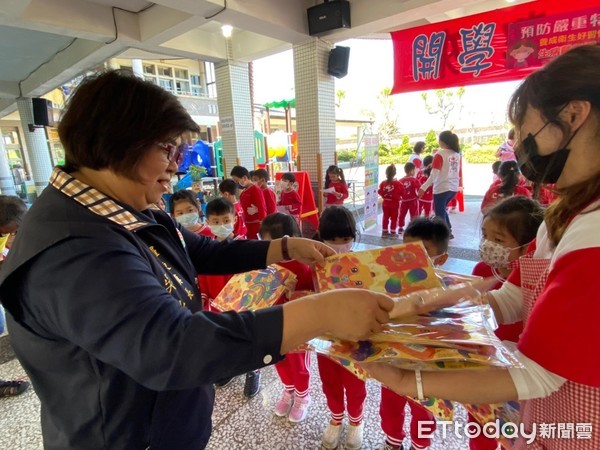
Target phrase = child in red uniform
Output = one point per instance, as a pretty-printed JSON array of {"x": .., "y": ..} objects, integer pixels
[
  {"x": 336, "y": 189},
  {"x": 289, "y": 197},
  {"x": 410, "y": 201},
  {"x": 426, "y": 200},
  {"x": 221, "y": 219},
  {"x": 435, "y": 235},
  {"x": 294, "y": 370},
  {"x": 507, "y": 229},
  {"x": 509, "y": 185},
  {"x": 337, "y": 228},
  {"x": 229, "y": 190},
  {"x": 251, "y": 199},
  {"x": 185, "y": 209},
  {"x": 391, "y": 191},
  {"x": 260, "y": 177}
]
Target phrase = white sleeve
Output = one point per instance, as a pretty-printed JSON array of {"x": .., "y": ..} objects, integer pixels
[
  {"x": 432, "y": 177},
  {"x": 532, "y": 380},
  {"x": 510, "y": 302}
]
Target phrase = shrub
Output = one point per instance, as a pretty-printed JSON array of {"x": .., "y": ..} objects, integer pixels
[
  {"x": 346, "y": 155},
  {"x": 485, "y": 154}
]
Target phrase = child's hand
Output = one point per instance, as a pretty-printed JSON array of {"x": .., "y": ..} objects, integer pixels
[{"x": 252, "y": 209}]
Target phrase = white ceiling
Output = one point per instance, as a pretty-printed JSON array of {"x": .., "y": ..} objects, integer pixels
[{"x": 45, "y": 43}]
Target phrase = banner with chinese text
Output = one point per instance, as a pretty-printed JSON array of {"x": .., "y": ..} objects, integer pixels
[
  {"x": 474, "y": 49},
  {"x": 371, "y": 149},
  {"x": 535, "y": 42}
]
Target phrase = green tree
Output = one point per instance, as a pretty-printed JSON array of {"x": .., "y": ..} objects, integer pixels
[
  {"x": 444, "y": 102},
  {"x": 431, "y": 141},
  {"x": 340, "y": 95},
  {"x": 388, "y": 122}
]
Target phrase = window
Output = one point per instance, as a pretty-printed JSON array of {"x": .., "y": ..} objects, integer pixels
[
  {"x": 151, "y": 79},
  {"x": 149, "y": 69},
  {"x": 166, "y": 84},
  {"x": 181, "y": 73},
  {"x": 211, "y": 84},
  {"x": 183, "y": 87},
  {"x": 165, "y": 71},
  {"x": 196, "y": 80}
]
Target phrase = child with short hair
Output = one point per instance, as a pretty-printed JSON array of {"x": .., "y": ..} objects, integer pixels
[
  {"x": 495, "y": 168},
  {"x": 410, "y": 199},
  {"x": 337, "y": 228},
  {"x": 391, "y": 191},
  {"x": 185, "y": 209},
  {"x": 229, "y": 190},
  {"x": 260, "y": 177},
  {"x": 289, "y": 197},
  {"x": 426, "y": 200},
  {"x": 435, "y": 235},
  {"x": 506, "y": 232},
  {"x": 415, "y": 158},
  {"x": 334, "y": 179},
  {"x": 294, "y": 370},
  {"x": 221, "y": 218},
  {"x": 251, "y": 199}
]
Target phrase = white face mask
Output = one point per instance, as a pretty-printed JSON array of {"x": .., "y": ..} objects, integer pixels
[
  {"x": 188, "y": 220},
  {"x": 495, "y": 255},
  {"x": 341, "y": 248},
  {"x": 222, "y": 231}
]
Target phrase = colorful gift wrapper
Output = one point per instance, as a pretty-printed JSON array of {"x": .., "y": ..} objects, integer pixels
[
  {"x": 397, "y": 270},
  {"x": 257, "y": 289},
  {"x": 502, "y": 412}
]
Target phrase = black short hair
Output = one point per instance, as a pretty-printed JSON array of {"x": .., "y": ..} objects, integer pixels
[
  {"x": 218, "y": 207},
  {"x": 114, "y": 118},
  {"x": 279, "y": 225},
  {"x": 409, "y": 167},
  {"x": 496, "y": 166},
  {"x": 336, "y": 222},
  {"x": 240, "y": 172},
  {"x": 261, "y": 174},
  {"x": 228, "y": 186},
  {"x": 520, "y": 216},
  {"x": 288, "y": 176},
  {"x": 12, "y": 210},
  {"x": 432, "y": 230},
  {"x": 427, "y": 160},
  {"x": 183, "y": 195}
]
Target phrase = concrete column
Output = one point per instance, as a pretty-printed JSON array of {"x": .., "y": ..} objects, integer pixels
[
  {"x": 235, "y": 113},
  {"x": 7, "y": 184},
  {"x": 138, "y": 68},
  {"x": 315, "y": 106},
  {"x": 37, "y": 146}
]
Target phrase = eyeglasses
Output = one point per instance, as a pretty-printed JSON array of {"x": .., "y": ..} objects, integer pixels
[{"x": 174, "y": 154}]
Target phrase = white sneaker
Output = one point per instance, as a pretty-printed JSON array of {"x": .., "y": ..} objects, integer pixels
[
  {"x": 355, "y": 437},
  {"x": 331, "y": 436}
]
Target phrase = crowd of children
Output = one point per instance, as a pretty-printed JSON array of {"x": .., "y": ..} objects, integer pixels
[{"x": 248, "y": 207}]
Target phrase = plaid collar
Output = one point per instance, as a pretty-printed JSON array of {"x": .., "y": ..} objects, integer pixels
[{"x": 94, "y": 200}]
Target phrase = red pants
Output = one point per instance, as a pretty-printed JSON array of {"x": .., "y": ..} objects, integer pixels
[
  {"x": 425, "y": 207},
  {"x": 336, "y": 380},
  {"x": 391, "y": 411},
  {"x": 481, "y": 442},
  {"x": 411, "y": 206},
  {"x": 253, "y": 229},
  {"x": 294, "y": 372},
  {"x": 390, "y": 216}
]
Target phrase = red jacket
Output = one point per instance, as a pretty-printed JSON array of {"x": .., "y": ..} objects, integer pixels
[
  {"x": 411, "y": 188},
  {"x": 240, "y": 225},
  {"x": 341, "y": 188},
  {"x": 304, "y": 277},
  {"x": 253, "y": 196},
  {"x": 428, "y": 194},
  {"x": 292, "y": 200},
  {"x": 391, "y": 191},
  {"x": 493, "y": 195},
  {"x": 270, "y": 200}
]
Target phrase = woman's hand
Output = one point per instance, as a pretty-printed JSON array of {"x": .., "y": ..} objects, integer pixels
[
  {"x": 351, "y": 314},
  {"x": 422, "y": 302},
  {"x": 308, "y": 251}
]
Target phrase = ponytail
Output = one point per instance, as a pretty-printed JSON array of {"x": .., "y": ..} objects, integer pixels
[
  {"x": 509, "y": 174},
  {"x": 450, "y": 139}
]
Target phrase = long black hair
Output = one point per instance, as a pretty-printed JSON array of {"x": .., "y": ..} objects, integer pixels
[
  {"x": 509, "y": 174},
  {"x": 338, "y": 171}
]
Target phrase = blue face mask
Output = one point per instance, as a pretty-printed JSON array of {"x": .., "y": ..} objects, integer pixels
[{"x": 188, "y": 220}]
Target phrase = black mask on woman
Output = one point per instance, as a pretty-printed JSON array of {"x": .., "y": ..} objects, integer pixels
[{"x": 538, "y": 168}]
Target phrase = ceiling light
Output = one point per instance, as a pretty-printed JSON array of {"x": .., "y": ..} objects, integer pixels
[{"x": 227, "y": 29}]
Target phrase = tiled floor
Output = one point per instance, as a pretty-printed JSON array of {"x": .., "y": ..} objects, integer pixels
[{"x": 250, "y": 424}]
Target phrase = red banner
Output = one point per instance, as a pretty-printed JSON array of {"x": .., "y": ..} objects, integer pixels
[{"x": 475, "y": 49}]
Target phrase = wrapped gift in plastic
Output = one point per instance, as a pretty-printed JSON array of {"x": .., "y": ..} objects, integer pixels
[{"x": 257, "y": 289}]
